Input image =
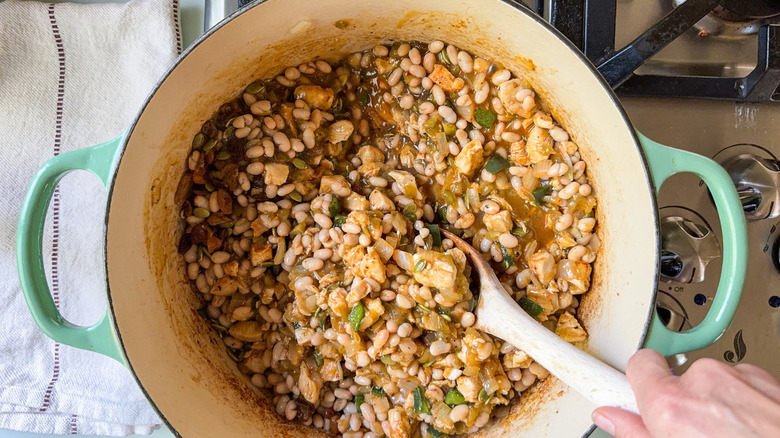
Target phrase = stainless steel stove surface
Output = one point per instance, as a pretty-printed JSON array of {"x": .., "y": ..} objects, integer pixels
[{"x": 743, "y": 137}]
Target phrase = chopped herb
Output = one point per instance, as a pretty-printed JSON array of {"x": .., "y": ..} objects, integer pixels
[
  {"x": 443, "y": 213},
  {"x": 295, "y": 196},
  {"x": 429, "y": 363},
  {"x": 339, "y": 220},
  {"x": 445, "y": 316},
  {"x": 356, "y": 315},
  {"x": 334, "y": 208},
  {"x": 319, "y": 361},
  {"x": 508, "y": 259},
  {"x": 387, "y": 360},
  {"x": 296, "y": 325},
  {"x": 422, "y": 308},
  {"x": 431, "y": 430},
  {"x": 530, "y": 306},
  {"x": 540, "y": 192},
  {"x": 421, "y": 405},
  {"x": 267, "y": 263},
  {"x": 454, "y": 397},
  {"x": 483, "y": 396},
  {"x": 359, "y": 400},
  {"x": 485, "y": 117},
  {"x": 378, "y": 391},
  {"x": 323, "y": 323},
  {"x": 419, "y": 266},
  {"x": 435, "y": 234},
  {"x": 496, "y": 164},
  {"x": 300, "y": 164}
]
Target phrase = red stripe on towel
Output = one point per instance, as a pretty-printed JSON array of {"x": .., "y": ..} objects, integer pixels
[
  {"x": 55, "y": 240},
  {"x": 177, "y": 26}
]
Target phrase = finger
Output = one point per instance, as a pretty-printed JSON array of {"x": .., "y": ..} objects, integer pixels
[
  {"x": 760, "y": 380},
  {"x": 645, "y": 369},
  {"x": 620, "y": 423}
]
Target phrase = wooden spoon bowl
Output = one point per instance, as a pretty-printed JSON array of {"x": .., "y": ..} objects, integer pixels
[{"x": 498, "y": 314}]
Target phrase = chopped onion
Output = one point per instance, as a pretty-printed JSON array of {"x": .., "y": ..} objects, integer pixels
[{"x": 441, "y": 411}]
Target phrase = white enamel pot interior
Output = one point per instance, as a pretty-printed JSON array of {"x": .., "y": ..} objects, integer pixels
[{"x": 177, "y": 358}]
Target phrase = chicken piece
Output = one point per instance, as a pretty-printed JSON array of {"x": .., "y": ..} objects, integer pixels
[
  {"x": 303, "y": 335},
  {"x": 577, "y": 273},
  {"x": 543, "y": 266},
  {"x": 360, "y": 288},
  {"x": 569, "y": 329},
  {"x": 539, "y": 145},
  {"x": 231, "y": 268},
  {"x": 254, "y": 361},
  {"x": 340, "y": 131},
  {"x": 359, "y": 217},
  {"x": 469, "y": 387},
  {"x": 334, "y": 184},
  {"x": 370, "y": 154},
  {"x": 407, "y": 183},
  {"x": 517, "y": 359},
  {"x": 315, "y": 96},
  {"x": 330, "y": 370},
  {"x": 547, "y": 299},
  {"x": 507, "y": 92},
  {"x": 225, "y": 286},
  {"x": 260, "y": 253},
  {"x": 355, "y": 202},
  {"x": 374, "y": 309},
  {"x": 438, "y": 270},
  {"x": 367, "y": 170},
  {"x": 500, "y": 222},
  {"x": 470, "y": 158},
  {"x": 440, "y": 75},
  {"x": 286, "y": 111},
  {"x": 351, "y": 255},
  {"x": 258, "y": 227},
  {"x": 310, "y": 388},
  {"x": 381, "y": 202},
  {"x": 276, "y": 173},
  {"x": 518, "y": 155},
  {"x": 247, "y": 331},
  {"x": 337, "y": 302},
  {"x": 371, "y": 266},
  {"x": 397, "y": 424}
]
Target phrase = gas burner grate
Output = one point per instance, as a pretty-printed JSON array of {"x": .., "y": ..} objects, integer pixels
[{"x": 590, "y": 24}]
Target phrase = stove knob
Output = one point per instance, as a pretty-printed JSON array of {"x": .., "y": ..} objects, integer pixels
[
  {"x": 758, "y": 183},
  {"x": 687, "y": 249}
]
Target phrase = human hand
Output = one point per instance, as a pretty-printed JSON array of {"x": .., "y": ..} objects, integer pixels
[{"x": 711, "y": 399}]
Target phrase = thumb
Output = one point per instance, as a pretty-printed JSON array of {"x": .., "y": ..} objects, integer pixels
[{"x": 620, "y": 423}]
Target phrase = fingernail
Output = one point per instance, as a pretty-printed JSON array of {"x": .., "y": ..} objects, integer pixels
[{"x": 603, "y": 423}]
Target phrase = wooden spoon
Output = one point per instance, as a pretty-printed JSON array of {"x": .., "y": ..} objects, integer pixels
[{"x": 498, "y": 314}]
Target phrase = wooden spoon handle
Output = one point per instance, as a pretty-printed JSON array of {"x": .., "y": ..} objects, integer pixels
[{"x": 603, "y": 385}]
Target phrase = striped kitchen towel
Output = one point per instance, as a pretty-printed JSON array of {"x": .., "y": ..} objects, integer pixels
[{"x": 71, "y": 76}]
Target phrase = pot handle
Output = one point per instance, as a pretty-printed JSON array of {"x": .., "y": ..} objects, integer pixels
[
  {"x": 664, "y": 162},
  {"x": 99, "y": 337}
]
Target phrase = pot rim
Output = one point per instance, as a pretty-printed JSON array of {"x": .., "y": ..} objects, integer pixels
[{"x": 520, "y": 8}]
